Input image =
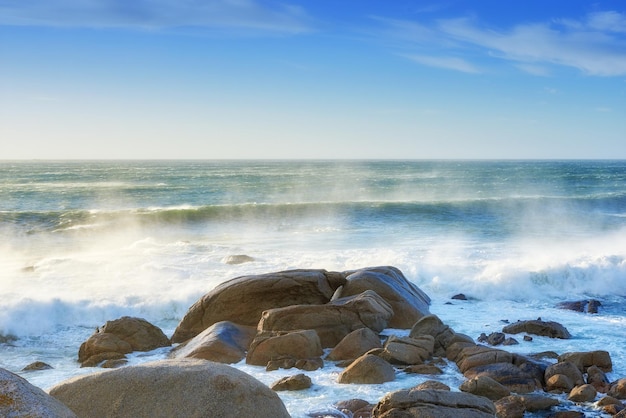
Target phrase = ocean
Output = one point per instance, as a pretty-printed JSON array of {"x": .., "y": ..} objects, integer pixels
[{"x": 84, "y": 242}]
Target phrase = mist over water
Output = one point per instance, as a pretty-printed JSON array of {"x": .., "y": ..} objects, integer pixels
[{"x": 87, "y": 242}]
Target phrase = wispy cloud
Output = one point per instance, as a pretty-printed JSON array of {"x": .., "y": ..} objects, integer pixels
[
  {"x": 595, "y": 44},
  {"x": 250, "y": 15},
  {"x": 449, "y": 63}
]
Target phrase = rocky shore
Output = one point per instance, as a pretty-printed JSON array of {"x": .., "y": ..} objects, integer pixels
[{"x": 305, "y": 319}]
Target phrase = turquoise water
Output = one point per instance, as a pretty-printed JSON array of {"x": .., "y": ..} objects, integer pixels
[{"x": 85, "y": 242}]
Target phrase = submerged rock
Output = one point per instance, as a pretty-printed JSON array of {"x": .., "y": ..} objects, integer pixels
[{"x": 538, "y": 327}]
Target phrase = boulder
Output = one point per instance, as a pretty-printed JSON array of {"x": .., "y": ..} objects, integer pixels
[
  {"x": 169, "y": 388},
  {"x": 408, "y": 350},
  {"x": 512, "y": 377},
  {"x": 355, "y": 344},
  {"x": 243, "y": 299},
  {"x": 485, "y": 386},
  {"x": 433, "y": 326},
  {"x": 269, "y": 346},
  {"x": 423, "y": 369},
  {"x": 296, "y": 382},
  {"x": 583, "y": 393},
  {"x": 567, "y": 369},
  {"x": 222, "y": 342},
  {"x": 618, "y": 389},
  {"x": 510, "y": 407},
  {"x": 475, "y": 356},
  {"x": 585, "y": 359},
  {"x": 537, "y": 402},
  {"x": 332, "y": 321},
  {"x": 19, "y": 398},
  {"x": 598, "y": 379},
  {"x": 123, "y": 336},
  {"x": 368, "y": 369},
  {"x": 559, "y": 383},
  {"x": 433, "y": 403},
  {"x": 538, "y": 327},
  {"x": 408, "y": 302}
]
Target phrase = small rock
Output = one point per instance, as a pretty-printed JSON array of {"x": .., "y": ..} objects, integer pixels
[
  {"x": 459, "y": 296},
  {"x": 37, "y": 365},
  {"x": 297, "y": 382},
  {"x": 237, "y": 259}
]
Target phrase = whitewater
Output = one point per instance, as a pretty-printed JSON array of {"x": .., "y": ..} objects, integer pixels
[{"x": 84, "y": 242}]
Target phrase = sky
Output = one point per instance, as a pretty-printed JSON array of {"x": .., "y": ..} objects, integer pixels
[{"x": 312, "y": 79}]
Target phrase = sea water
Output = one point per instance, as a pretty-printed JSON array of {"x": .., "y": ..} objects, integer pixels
[{"x": 84, "y": 242}]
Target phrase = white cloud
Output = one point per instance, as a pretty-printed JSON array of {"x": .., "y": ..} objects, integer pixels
[
  {"x": 157, "y": 14},
  {"x": 448, "y": 63},
  {"x": 594, "y": 45}
]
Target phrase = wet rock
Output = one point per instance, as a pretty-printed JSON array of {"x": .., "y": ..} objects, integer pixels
[
  {"x": 37, "y": 365},
  {"x": 269, "y": 346},
  {"x": 459, "y": 296},
  {"x": 355, "y": 344},
  {"x": 433, "y": 326},
  {"x": 597, "y": 378},
  {"x": 567, "y": 369},
  {"x": 170, "y": 388},
  {"x": 368, "y": 369},
  {"x": 583, "y": 360},
  {"x": 538, "y": 327},
  {"x": 237, "y": 259},
  {"x": 223, "y": 342},
  {"x": 432, "y": 384},
  {"x": 423, "y": 369},
  {"x": 297, "y": 382},
  {"x": 583, "y": 393},
  {"x": 408, "y": 350},
  {"x": 485, "y": 386},
  {"x": 122, "y": 336},
  {"x": 618, "y": 389},
  {"x": 19, "y": 398},
  {"x": 510, "y": 407}
]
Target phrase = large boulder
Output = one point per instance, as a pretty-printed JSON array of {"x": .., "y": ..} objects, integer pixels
[
  {"x": 332, "y": 321},
  {"x": 538, "y": 327},
  {"x": 243, "y": 299},
  {"x": 122, "y": 336},
  {"x": 222, "y": 342},
  {"x": 268, "y": 346},
  {"x": 169, "y": 388},
  {"x": 433, "y": 403},
  {"x": 409, "y": 303},
  {"x": 18, "y": 399}
]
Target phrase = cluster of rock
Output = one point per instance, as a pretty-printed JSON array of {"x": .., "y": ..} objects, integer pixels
[{"x": 288, "y": 319}]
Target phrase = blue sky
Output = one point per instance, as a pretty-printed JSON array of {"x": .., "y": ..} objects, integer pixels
[{"x": 312, "y": 79}]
